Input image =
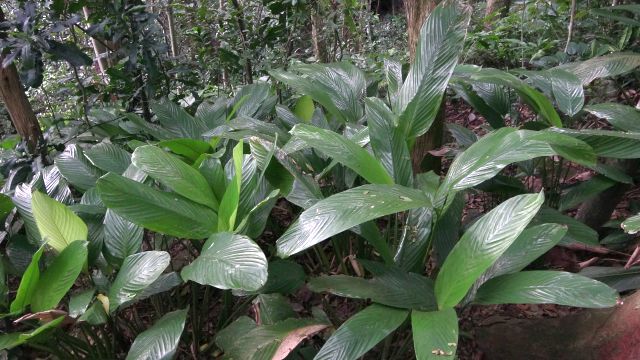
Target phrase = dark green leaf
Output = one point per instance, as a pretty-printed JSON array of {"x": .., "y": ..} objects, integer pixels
[
  {"x": 160, "y": 340},
  {"x": 435, "y": 333}
]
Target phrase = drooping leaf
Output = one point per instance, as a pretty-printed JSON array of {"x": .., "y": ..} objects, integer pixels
[
  {"x": 22, "y": 197},
  {"x": 343, "y": 150},
  {"x": 607, "y": 143},
  {"x": 584, "y": 191},
  {"x": 547, "y": 287},
  {"x": 163, "y": 283},
  {"x": 58, "y": 225},
  {"x": 338, "y": 87},
  {"x": 577, "y": 232},
  {"x": 109, "y": 157},
  {"x": 621, "y": 116},
  {"x": 28, "y": 284},
  {"x": 618, "y": 278},
  {"x": 160, "y": 340},
  {"x": 274, "y": 308},
  {"x": 58, "y": 278},
  {"x": 437, "y": 50},
  {"x": 138, "y": 271},
  {"x": 394, "y": 288},
  {"x": 229, "y": 261},
  {"x": 482, "y": 244},
  {"x": 11, "y": 340},
  {"x": 156, "y": 210},
  {"x": 435, "y": 333},
  {"x": 345, "y": 210},
  {"x": 77, "y": 169},
  {"x": 121, "y": 237},
  {"x": 79, "y": 302},
  {"x": 361, "y": 332},
  {"x": 174, "y": 174},
  {"x": 603, "y": 66}
]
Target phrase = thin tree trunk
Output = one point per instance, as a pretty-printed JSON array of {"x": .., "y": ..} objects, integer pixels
[
  {"x": 243, "y": 34},
  {"x": 571, "y": 24},
  {"x": 317, "y": 25},
  {"x": 17, "y": 104},
  {"x": 173, "y": 40},
  {"x": 99, "y": 50}
]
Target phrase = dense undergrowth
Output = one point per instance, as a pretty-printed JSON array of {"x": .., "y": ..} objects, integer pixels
[{"x": 289, "y": 221}]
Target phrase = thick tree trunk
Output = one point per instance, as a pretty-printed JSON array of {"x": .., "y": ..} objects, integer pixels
[
  {"x": 591, "y": 334},
  {"x": 17, "y": 104},
  {"x": 417, "y": 12}
]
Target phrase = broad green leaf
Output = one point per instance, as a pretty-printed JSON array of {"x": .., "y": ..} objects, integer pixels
[
  {"x": 537, "y": 101},
  {"x": 213, "y": 171},
  {"x": 254, "y": 100},
  {"x": 174, "y": 174},
  {"x": 189, "y": 148},
  {"x": 361, "y": 332},
  {"x": 273, "y": 308},
  {"x": 304, "y": 108},
  {"x": 28, "y": 284},
  {"x": 121, "y": 237},
  {"x": 446, "y": 231},
  {"x": 163, "y": 283},
  {"x": 345, "y": 210},
  {"x": 412, "y": 251},
  {"x": 77, "y": 169},
  {"x": 603, "y": 66},
  {"x": 79, "y": 303},
  {"x": 109, "y": 157},
  {"x": 58, "y": 225},
  {"x": 212, "y": 113},
  {"x": 338, "y": 87},
  {"x": 621, "y": 116},
  {"x": 631, "y": 225},
  {"x": 584, "y": 191},
  {"x": 394, "y": 288},
  {"x": 58, "y": 278},
  {"x": 387, "y": 141},
  {"x": 440, "y": 43},
  {"x": 607, "y": 143},
  {"x": 343, "y": 150},
  {"x": 568, "y": 91},
  {"x": 229, "y": 261},
  {"x": 393, "y": 75},
  {"x": 469, "y": 94},
  {"x": 231, "y": 199},
  {"x": 618, "y": 278},
  {"x": 435, "y": 333},
  {"x": 22, "y": 197},
  {"x": 463, "y": 136},
  {"x": 244, "y": 340},
  {"x": 177, "y": 120},
  {"x": 138, "y": 271},
  {"x": 285, "y": 277},
  {"x": 577, "y": 232},
  {"x": 547, "y": 287},
  {"x": 6, "y": 206},
  {"x": 160, "y": 340},
  {"x": 152, "y": 129},
  {"x": 95, "y": 314},
  {"x": 156, "y": 210},
  {"x": 482, "y": 244}
]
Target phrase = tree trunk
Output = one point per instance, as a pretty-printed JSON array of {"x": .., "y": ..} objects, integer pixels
[
  {"x": 17, "y": 104},
  {"x": 417, "y": 12},
  {"x": 173, "y": 40},
  {"x": 99, "y": 50},
  {"x": 572, "y": 16},
  {"x": 590, "y": 334},
  {"x": 317, "y": 26}
]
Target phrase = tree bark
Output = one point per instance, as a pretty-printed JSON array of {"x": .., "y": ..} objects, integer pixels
[
  {"x": 416, "y": 12},
  {"x": 17, "y": 104},
  {"x": 99, "y": 50},
  {"x": 572, "y": 16}
]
